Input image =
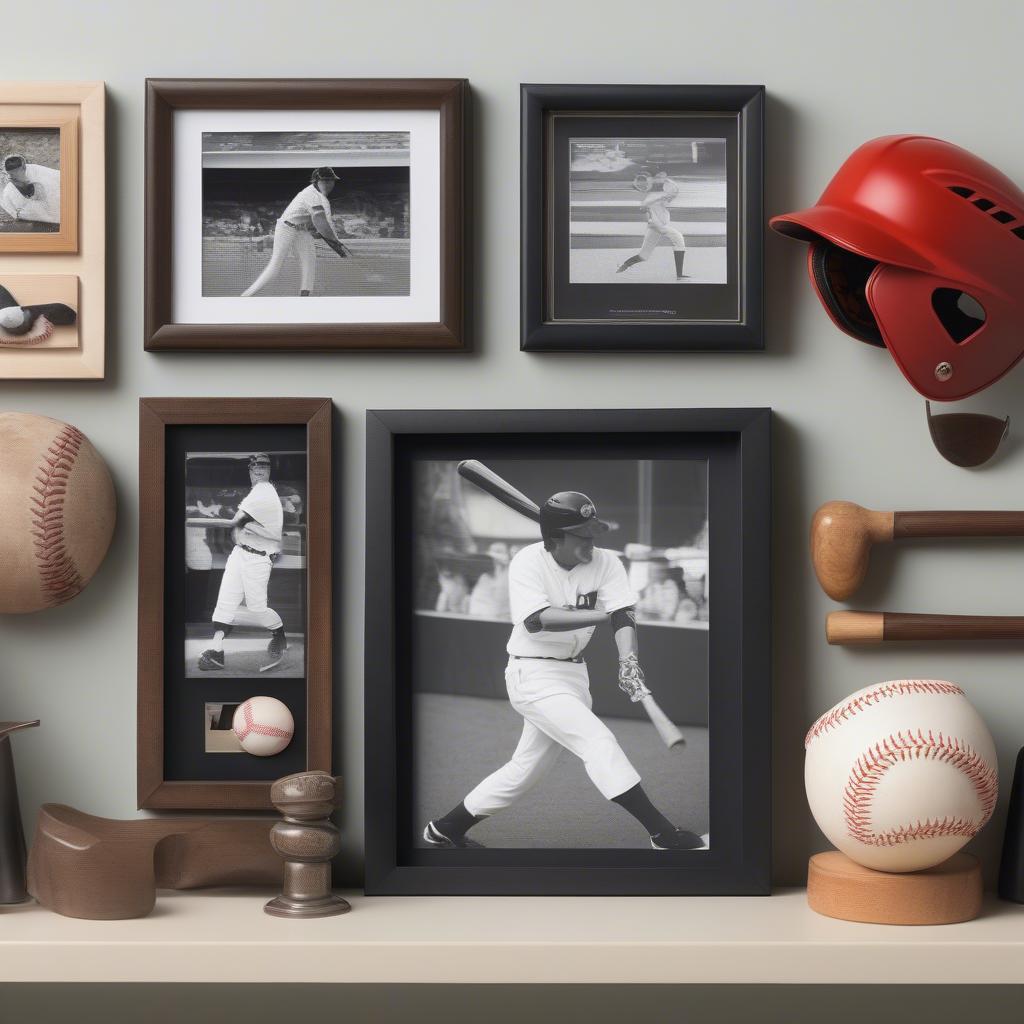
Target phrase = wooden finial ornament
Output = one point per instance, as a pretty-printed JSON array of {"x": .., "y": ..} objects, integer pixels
[{"x": 307, "y": 840}]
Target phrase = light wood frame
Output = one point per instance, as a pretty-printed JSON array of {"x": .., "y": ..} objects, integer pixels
[
  {"x": 155, "y": 416},
  {"x": 79, "y": 248},
  {"x": 64, "y": 118}
]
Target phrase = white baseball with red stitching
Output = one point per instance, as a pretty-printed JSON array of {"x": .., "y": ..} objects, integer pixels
[
  {"x": 902, "y": 774},
  {"x": 264, "y": 726}
]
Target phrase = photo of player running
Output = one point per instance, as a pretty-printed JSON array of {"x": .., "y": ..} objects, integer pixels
[
  {"x": 245, "y": 564},
  {"x": 529, "y": 728},
  {"x": 640, "y": 207}
]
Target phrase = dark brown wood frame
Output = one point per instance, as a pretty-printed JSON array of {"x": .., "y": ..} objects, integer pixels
[
  {"x": 449, "y": 96},
  {"x": 155, "y": 415}
]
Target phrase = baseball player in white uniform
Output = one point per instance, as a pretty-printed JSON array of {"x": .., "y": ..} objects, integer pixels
[
  {"x": 256, "y": 527},
  {"x": 560, "y": 591},
  {"x": 33, "y": 192},
  {"x": 655, "y": 203},
  {"x": 306, "y": 218}
]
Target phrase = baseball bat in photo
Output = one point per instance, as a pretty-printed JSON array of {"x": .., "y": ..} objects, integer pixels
[
  {"x": 671, "y": 736},
  {"x": 477, "y": 473},
  {"x": 861, "y": 628}
]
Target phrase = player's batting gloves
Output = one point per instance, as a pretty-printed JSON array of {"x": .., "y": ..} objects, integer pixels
[{"x": 631, "y": 678}]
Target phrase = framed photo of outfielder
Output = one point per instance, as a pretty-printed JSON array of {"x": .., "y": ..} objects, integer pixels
[
  {"x": 305, "y": 214},
  {"x": 235, "y": 598},
  {"x": 642, "y": 218},
  {"x": 551, "y": 707}
]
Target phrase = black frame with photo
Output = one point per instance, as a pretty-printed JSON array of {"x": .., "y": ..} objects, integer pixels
[
  {"x": 743, "y": 108},
  {"x": 737, "y": 446}
]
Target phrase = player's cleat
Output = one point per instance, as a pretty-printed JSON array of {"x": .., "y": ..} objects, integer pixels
[
  {"x": 275, "y": 652},
  {"x": 211, "y": 661},
  {"x": 435, "y": 837},
  {"x": 677, "y": 839},
  {"x": 682, "y": 277},
  {"x": 622, "y": 267}
]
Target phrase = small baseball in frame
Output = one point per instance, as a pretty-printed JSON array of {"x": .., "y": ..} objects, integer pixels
[
  {"x": 264, "y": 726},
  {"x": 901, "y": 775}
]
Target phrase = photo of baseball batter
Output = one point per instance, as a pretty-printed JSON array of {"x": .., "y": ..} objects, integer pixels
[
  {"x": 573, "y": 713},
  {"x": 309, "y": 214},
  {"x": 648, "y": 211},
  {"x": 245, "y": 564},
  {"x": 30, "y": 179}
]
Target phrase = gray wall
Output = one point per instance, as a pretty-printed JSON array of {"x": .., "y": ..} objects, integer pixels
[{"x": 848, "y": 425}]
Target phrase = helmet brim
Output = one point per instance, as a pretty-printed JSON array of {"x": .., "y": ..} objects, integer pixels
[
  {"x": 591, "y": 528},
  {"x": 854, "y": 233}
]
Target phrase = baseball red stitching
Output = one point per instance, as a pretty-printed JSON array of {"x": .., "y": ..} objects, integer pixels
[
  {"x": 252, "y": 726},
  {"x": 61, "y": 579},
  {"x": 901, "y": 688},
  {"x": 870, "y": 767}
]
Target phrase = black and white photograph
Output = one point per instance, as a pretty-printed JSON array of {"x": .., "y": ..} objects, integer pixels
[
  {"x": 245, "y": 564},
  {"x": 648, "y": 210},
  {"x": 30, "y": 180},
  {"x": 642, "y": 226},
  {"x": 305, "y": 213},
  {"x": 218, "y": 735},
  {"x": 560, "y": 653}
]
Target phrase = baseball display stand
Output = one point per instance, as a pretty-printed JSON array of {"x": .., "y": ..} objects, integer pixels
[{"x": 899, "y": 777}]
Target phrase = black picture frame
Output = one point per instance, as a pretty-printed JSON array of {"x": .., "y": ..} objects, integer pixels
[
  {"x": 539, "y": 332},
  {"x": 737, "y": 445}
]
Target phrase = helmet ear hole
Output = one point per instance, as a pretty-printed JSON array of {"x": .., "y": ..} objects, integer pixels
[
  {"x": 841, "y": 278},
  {"x": 961, "y": 314}
]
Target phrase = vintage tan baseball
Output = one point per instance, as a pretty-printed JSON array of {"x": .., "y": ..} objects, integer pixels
[
  {"x": 264, "y": 726},
  {"x": 58, "y": 511},
  {"x": 900, "y": 775}
]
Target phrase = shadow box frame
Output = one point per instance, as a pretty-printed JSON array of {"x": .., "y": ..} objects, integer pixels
[
  {"x": 539, "y": 331},
  {"x": 158, "y": 416},
  {"x": 166, "y": 96},
  {"x": 738, "y": 447},
  {"x": 78, "y": 110}
]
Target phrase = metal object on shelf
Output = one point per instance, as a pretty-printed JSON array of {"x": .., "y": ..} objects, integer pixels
[
  {"x": 12, "y": 835},
  {"x": 307, "y": 839}
]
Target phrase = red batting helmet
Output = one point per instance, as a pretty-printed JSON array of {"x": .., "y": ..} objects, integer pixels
[{"x": 919, "y": 246}]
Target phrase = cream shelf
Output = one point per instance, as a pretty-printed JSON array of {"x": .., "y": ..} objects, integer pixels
[{"x": 224, "y": 936}]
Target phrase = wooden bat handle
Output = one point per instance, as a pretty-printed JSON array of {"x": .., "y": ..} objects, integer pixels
[
  {"x": 958, "y": 524},
  {"x": 859, "y": 628}
]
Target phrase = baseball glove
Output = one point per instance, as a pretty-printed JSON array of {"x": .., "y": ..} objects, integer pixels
[
  {"x": 642, "y": 182},
  {"x": 631, "y": 678},
  {"x": 26, "y": 188}
]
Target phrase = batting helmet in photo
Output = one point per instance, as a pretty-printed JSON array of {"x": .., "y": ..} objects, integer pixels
[{"x": 571, "y": 512}]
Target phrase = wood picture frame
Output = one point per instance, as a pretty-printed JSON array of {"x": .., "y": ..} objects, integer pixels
[
  {"x": 229, "y": 421},
  {"x": 576, "y": 295},
  {"x": 736, "y": 446},
  {"x": 166, "y": 98},
  {"x": 78, "y": 249}
]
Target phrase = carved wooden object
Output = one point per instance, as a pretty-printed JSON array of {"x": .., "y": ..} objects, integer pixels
[
  {"x": 307, "y": 840},
  {"x": 843, "y": 534},
  {"x": 103, "y": 869}
]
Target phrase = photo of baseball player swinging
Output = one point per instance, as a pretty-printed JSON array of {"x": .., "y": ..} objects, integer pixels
[
  {"x": 239, "y": 538},
  {"x": 306, "y": 218},
  {"x": 563, "y": 590},
  {"x": 310, "y": 215}
]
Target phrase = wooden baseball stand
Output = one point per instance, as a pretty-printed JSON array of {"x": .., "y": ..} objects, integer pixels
[{"x": 947, "y": 893}]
